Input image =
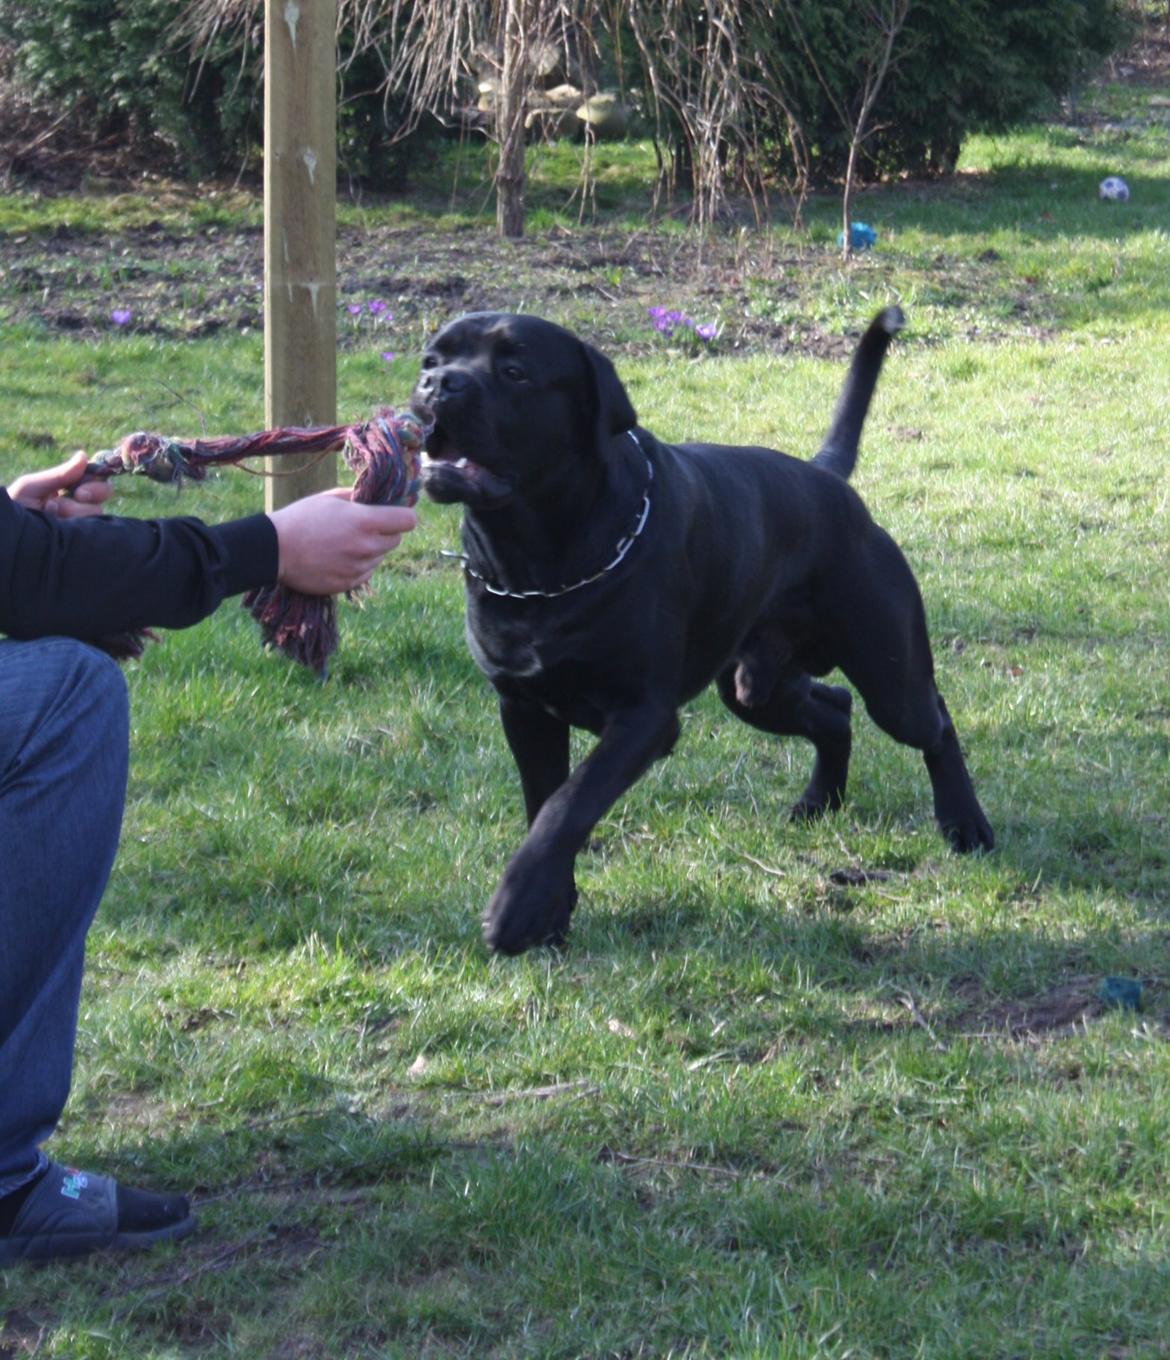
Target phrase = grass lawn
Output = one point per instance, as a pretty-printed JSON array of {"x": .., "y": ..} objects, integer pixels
[{"x": 791, "y": 1091}]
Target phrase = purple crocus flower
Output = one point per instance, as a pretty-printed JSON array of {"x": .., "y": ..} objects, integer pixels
[
  {"x": 354, "y": 308},
  {"x": 662, "y": 320},
  {"x": 377, "y": 306},
  {"x": 388, "y": 355},
  {"x": 707, "y": 330},
  {"x": 120, "y": 316}
]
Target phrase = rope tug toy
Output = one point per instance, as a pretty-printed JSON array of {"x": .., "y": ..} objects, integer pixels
[{"x": 384, "y": 454}]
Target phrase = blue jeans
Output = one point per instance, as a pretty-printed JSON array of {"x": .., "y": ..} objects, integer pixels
[{"x": 64, "y": 739}]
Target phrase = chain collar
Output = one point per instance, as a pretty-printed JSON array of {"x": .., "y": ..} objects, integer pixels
[{"x": 623, "y": 547}]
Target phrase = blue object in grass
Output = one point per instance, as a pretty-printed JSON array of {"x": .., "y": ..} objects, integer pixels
[
  {"x": 1123, "y": 994},
  {"x": 861, "y": 236}
]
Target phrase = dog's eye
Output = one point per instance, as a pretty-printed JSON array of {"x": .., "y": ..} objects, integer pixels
[{"x": 512, "y": 371}]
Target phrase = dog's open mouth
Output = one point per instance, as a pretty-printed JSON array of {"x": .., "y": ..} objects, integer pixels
[
  {"x": 449, "y": 475},
  {"x": 464, "y": 466}
]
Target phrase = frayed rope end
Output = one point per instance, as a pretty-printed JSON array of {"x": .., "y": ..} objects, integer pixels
[{"x": 384, "y": 453}]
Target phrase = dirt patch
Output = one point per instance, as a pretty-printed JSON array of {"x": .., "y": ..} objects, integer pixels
[
  {"x": 599, "y": 281},
  {"x": 164, "y": 280},
  {"x": 1062, "y": 1010}
]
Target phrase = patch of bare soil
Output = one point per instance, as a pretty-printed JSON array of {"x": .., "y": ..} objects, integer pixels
[
  {"x": 1062, "y": 1010},
  {"x": 598, "y": 280}
]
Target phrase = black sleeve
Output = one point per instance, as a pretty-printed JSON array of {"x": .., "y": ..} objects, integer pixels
[{"x": 101, "y": 574}]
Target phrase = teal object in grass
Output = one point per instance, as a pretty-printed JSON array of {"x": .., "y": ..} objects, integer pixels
[
  {"x": 1121, "y": 993},
  {"x": 861, "y": 236}
]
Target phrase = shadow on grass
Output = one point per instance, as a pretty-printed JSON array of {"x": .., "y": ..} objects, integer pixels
[{"x": 471, "y": 1249}]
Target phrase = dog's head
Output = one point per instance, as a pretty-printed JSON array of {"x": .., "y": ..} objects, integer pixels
[{"x": 518, "y": 405}]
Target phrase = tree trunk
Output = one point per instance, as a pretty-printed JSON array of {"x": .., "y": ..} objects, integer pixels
[
  {"x": 847, "y": 196},
  {"x": 510, "y": 111},
  {"x": 889, "y": 19}
]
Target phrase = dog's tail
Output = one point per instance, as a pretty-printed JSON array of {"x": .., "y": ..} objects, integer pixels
[{"x": 838, "y": 453}]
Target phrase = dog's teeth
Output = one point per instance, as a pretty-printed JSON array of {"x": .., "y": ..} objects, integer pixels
[{"x": 427, "y": 460}]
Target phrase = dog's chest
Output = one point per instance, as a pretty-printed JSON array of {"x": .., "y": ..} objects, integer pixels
[{"x": 565, "y": 669}]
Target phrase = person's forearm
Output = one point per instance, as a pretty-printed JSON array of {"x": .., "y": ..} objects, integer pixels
[{"x": 89, "y": 577}]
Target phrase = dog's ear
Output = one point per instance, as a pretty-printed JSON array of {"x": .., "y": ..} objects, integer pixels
[{"x": 613, "y": 411}]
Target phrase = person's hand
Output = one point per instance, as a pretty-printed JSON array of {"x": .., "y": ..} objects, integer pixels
[
  {"x": 60, "y": 491},
  {"x": 329, "y": 544}
]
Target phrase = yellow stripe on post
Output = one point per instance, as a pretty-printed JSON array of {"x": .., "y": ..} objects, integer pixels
[{"x": 300, "y": 270}]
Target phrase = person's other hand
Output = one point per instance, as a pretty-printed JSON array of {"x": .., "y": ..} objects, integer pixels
[
  {"x": 329, "y": 544},
  {"x": 60, "y": 491}
]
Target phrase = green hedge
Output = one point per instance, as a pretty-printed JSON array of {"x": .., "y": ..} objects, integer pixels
[
  {"x": 121, "y": 66},
  {"x": 960, "y": 66},
  {"x": 118, "y": 65}
]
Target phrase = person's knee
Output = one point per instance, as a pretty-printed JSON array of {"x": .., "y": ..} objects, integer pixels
[
  {"x": 73, "y": 688},
  {"x": 104, "y": 686},
  {"x": 101, "y": 703},
  {"x": 88, "y": 679},
  {"x": 64, "y": 755}
]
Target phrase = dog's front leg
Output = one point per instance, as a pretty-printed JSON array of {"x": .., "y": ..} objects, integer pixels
[
  {"x": 540, "y": 747},
  {"x": 537, "y": 893}
]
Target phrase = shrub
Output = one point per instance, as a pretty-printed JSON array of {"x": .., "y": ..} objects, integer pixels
[
  {"x": 116, "y": 63},
  {"x": 961, "y": 66},
  {"x": 122, "y": 65}
]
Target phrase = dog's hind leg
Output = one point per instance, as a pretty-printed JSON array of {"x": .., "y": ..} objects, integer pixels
[
  {"x": 887, "y": 657},
  {"x": 956, "y": 807},
  {"x": 798, "y": 706},
  {"x": 920, "y": 719}
]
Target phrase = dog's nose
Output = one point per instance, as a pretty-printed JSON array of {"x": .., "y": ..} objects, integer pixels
[{"x": 442, "y": 382}]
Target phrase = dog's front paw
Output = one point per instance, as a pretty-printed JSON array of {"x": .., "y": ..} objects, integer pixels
[
  {"x": 528, "y": 910},
  {"x": 968, "y": 835},
  {"x": 810, "y": 806}
]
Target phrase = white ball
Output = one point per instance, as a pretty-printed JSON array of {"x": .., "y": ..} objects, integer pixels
[{"x": 1115, "y": 189}]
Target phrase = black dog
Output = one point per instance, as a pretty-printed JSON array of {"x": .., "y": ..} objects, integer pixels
[{"x": 611, "y": 577}]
